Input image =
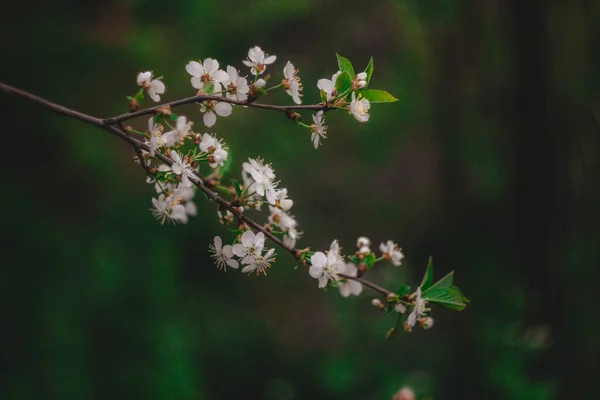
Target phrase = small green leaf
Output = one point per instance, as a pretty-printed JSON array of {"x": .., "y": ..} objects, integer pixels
[
  {"x": 307, "y": 255},
  {"x": 354, "y": 259},
  {"x": 369, "y": 71},
  {"x": 460, "y": 293},
  {"x": 173, "y": 117},
  {"x": 140, "y": 96},
  {"x": 157, "y": 118},
  {"x": 378, "y": 96},
  {"x": 323, "y": 95},
  {"x": 445, "y": 297},
  {"x": 369, "y": 260},
  {"x": 236, "y": 185},
  {"x": 129, "y": 98},
  {"x": 428, "y": 277},
  {"x": 343, "y": 82},
  {"x": 443, "y": 283},
  {"x": 403, "y": 290},
  {"x": 209, "y": 88},
  {"x": 345, "y": 66}
]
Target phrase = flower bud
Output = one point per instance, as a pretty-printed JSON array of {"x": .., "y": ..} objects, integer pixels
[
  {"x": 259, "y": 84},
  {"x": 377, "y": 303},
  {"x": 364, "y": 250},
  {"x": 426, "y": 322},
  {"x": 361, "y": 84},
  {"x": 134, "y": 105},
  {"x": 390, "y": 333},
  {"x": 361, "y": 76},
  {"x": 391, "y": 297},
  {"x": 363, "y": 241},
  {"x": 401, "y": 308}
]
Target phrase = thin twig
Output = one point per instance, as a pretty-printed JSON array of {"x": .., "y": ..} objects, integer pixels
[
  {"x": 198, "y": 98},
  {"x": 138, "y": 146}
]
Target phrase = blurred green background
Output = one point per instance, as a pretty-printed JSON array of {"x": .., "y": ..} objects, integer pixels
[{"x": 489, "y": 162}]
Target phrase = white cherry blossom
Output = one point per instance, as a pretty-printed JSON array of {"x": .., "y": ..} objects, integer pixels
[
  {"x": 217, "y": 153},
  {"x": 325, "y": 268},
  {"x": 222, "y": 255},
  {"x": 250, "y": 248},
  {"x": 181, "y": 167},
  {"x": 291, "y": 83},
  {"x": 319, "y": 131},
  {"x": 183, "y": 128},
  {"x": 360, "y": 108},
  {"x": 282, "y": 201},
  {"x": 328, "y": 86},
  {"x": 213, "y": 108},
  {"x": 154, "y": 87},
  {"x": 391, "y": 252},
  {"x": 350, "y": 287},
  {"x": 156, "y": 139},
  {"x": 236, "y": 86},
  {"x": 206, "y": 72},
  {"x": 164, "y": 209},
  {"x": 419, "y": 310},
  {"x": 261, "y": 264},
  {"x": 258, "y": 60}
]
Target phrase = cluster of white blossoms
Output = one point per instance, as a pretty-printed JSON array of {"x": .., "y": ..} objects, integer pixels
[
  {"x": 174, "y": 156},
  {"x": 250, "y": 252}
]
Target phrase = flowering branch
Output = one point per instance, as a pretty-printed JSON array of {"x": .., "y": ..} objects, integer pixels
[{"x": 176, "y": 172}]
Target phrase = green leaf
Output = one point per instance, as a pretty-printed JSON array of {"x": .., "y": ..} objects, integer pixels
[
  {"x": 378, "y": 96},
  {"x": 129, "y": 98},
  {"x": 369, "y": 71},
  {"x": 460, "y": 293},
  {"x": 354, "y": 259},
  {"x": 140, "y": 96},
  {"x": 443, "y": 283},
  {"x": 323, "y": 95},
  {"x": 173, "y": 117},
  {"x": 345, "y": 66},
  {"x": 428, "y": 277},
  {"x": 445, "y": 297},
  {"x": 369, "y": 260},
  {"x": 343, "y": 82},
  {"x": 236, "y": 185},
  {"x": 209, "y": 88},
  {"x": 403, "y": 290}
]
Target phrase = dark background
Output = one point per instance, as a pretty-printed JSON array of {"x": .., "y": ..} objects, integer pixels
[{"x": 489, "y": 162}]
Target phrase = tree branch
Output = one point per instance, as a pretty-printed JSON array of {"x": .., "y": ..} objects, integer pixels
[
  {"x": 107, "y": 125},
  {"x": 198, "y": 98}
]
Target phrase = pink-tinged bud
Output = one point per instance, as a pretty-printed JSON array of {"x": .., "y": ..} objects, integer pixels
[
  {"x": 405, "y": 393},
  {"x": 134, "y": 105},
  {"x": 361, "y": 84},
  {"x": 364, "y": 250},
  {"x": 361, "y": 76},
  {"x": 426, "y": 322},
  {"x": 377, "y": 303}
]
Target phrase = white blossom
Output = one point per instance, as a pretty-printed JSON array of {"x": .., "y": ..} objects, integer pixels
[
  {"x": 261, "y": 264},
  {"x": 236, "y": 86},
  {"x": 250, "y": 248},
  {"x": 318, "y": 129},
  {"x": 328, "y": 86},
  {"x": 282, "y": 201},
  {"x": 262, "y": 182},
  {"x": 391, "y": 252},
  {"x": 210, "y": 144},
  {"x": 207, "y": 72},
  {"x": 222, "y": 255},
  {"x": 164, "y": 209},
  {"x": 419, "y": 310},
  {"x": 181, "y": 167},
  {"x": 350, "y": 286},
  {"x": 325, "y": 268},
  {"x": 154, "y": 87},
  {"x": 360, "y": 108},
  {"x": 156, "y": 139},
  {"x": 291, "y": 83},
  {"x": 400, "y": 308},
  {"x": 182, "y": 129},
  {"x": 213, "y": 108},
  {"x": 258, "y": 60}
]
